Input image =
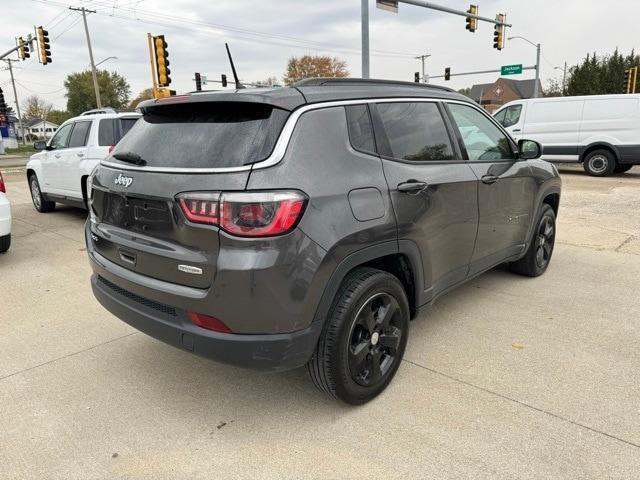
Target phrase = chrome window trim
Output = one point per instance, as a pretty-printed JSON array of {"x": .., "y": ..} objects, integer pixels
[{"x": 285, "y": 136}]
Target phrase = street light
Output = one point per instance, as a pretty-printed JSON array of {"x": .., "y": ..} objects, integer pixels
[
  {"x": 108, "y": 58},
  {"x": 537, "y": 45},
  {"x": 564, "y": 76}
]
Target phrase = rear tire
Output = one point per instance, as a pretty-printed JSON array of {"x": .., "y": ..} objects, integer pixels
[
  {"x": 39, "y": 202},
  {"x": 599, "y": 163},
  {"x": 5, "y": 243},
  {"x": 622, "y": 168},
  {"x": 538, "y": 256},
  {"x": 364, "y": 338}
]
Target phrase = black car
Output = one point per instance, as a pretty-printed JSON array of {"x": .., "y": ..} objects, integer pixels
[{"x": 276, "y": 228}]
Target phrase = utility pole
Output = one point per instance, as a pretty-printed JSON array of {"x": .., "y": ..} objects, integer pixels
[
  {"x": 15, "y": 96},
  {"x": 535, "y": 88},
  {"x": 364, "y": 22},
  {"x": 423, "y": 58},
  {"x": 84, "y": 12}
]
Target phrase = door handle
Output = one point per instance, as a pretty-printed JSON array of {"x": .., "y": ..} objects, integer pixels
[
  {"x": 80, "y": 154},
  {"x": 57, "y": 155},
  {"x": 516, "y": 130},
  {"x": 489, "y": 179},
  {"x": 412, "y": 187}
]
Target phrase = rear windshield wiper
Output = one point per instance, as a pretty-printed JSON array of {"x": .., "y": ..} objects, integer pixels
[{"x": 130, "y": 157}]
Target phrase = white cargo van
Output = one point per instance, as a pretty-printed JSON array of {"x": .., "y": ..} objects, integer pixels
[{"x": 601, "y": 131}]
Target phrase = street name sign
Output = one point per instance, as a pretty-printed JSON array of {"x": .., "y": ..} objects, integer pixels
[{"x": 511, "y": 69}]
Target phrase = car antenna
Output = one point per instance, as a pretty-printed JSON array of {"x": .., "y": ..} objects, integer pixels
[{"x": 233, "y": 69}]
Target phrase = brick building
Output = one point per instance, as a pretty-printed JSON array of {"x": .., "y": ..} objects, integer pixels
[{"x": 493, "y": 95}]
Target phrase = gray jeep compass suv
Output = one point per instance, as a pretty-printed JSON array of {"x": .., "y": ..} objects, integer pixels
[{"x": 276, "y": 228}]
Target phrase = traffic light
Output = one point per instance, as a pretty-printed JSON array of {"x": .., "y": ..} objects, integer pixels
[
  {"x": 198, "y": 82},
  {"x": 23, "y": 51},
  {"x": 630, "y": 78},
  {"x": 224, "y": 80},
  {"x": 43, "y": 44},
  {"x": 447, "y": 73},
  {"x": 472, "y": 23},
  {"x": 162, "y": 61},
  {"x": 498, "y": 32},
  {"x": 3, "y": 105},
  {"x": 416, "y": 77}
]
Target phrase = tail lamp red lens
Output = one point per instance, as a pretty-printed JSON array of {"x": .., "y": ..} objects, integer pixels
[
  {"x": 3, "y": 189},
  {"x": 246, "y": 214},
  {"x": 208, "y": 322}
]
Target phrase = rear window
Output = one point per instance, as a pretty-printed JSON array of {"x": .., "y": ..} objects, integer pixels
[{"x": 205, "y": 135}]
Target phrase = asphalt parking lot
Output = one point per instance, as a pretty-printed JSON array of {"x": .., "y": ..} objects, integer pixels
[{"x": 506, "y": 377}]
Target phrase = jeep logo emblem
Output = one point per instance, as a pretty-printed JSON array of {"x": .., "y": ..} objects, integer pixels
[{"x": 124, "y": 181}]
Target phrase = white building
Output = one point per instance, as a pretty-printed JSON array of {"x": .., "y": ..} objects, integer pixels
[{"x": 40, "y": 128}]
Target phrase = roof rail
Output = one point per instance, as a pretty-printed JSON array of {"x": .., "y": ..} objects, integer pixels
[
  {"x": 328, "y": 81},
  {"x": 99, "y": 110}
]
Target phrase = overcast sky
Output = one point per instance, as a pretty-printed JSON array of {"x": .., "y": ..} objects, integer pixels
[{"x": 263, "y": 34}]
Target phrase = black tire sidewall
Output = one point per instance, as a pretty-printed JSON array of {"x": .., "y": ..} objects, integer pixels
[
  {"x": 33, "y": 179},
  {"x": 611, "y": 163},
  {"x": 346, "y": 388},
  {"x": 546, "y": 211}
]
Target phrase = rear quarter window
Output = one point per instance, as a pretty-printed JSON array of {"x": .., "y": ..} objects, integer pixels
[{"x": 205, "y": 135}]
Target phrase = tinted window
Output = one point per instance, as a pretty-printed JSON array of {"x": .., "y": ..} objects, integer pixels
[
  {"x": 482, "y": 139},
  {"x": 79, "y": 134},
  {"x": 360, "y": 128},
  {"x": 126, "y": 124},
  {"x": 416, "y": 131},
  {"x": 511, "y": 115},
  {"x": 59, "y": 140},
  {"x": 204, "y": 135},
  {"x": 107, "y": 132}
]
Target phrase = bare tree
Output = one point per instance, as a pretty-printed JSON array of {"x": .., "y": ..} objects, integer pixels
[
  {"x": 35, "y": 107},
  {"x": 310, "y": 66}
]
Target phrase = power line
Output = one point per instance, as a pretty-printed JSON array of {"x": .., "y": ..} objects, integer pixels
[{"x": 246, "y": 34}]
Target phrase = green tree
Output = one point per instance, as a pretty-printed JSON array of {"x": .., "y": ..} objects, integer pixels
[
  {"x": 114, "y": 91},
  {"x": 58, "y": 116},
  {"x": 553, "y": 88},
  {"x": 465, "y": 91},
  {"x": 600, "y": 75},
  {"x": 146, "y": 94},
  {"x": 310, "y": 66}
]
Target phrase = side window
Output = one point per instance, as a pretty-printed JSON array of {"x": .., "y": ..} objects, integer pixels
[
  {"x": 482, "y": 139},
  {"x": 511, "y": 115},
  {"x": 360, "y": 128},
  {"x": 59, "y": 140},
  {"x": 106, "y": 132},
  {"x": 416, "y": 131},
  {"x": 500, "y": 116},
  {"x": 80, "y": 134}
]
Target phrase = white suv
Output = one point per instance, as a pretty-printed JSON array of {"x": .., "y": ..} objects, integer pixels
[{"x": 59, "y": 172}]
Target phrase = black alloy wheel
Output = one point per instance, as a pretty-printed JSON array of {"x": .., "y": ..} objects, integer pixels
[{"x": 374, "y": 340}]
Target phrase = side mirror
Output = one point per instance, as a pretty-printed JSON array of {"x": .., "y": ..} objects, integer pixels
[
  {"x": 529, "y": 149},
  {"x": 40, "y": 145}
]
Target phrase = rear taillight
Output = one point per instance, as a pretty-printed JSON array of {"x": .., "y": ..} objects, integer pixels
[
  {"x": 208, "y": 322},
  {"x": 3, "y": 189},
  {"x": 246, "y": 214}
]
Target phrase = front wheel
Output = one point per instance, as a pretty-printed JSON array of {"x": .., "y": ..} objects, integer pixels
[
  {"x": 37, "y": 198},
  {"x": 538, "y": 256},
  {"x": 364, "y": 339}
]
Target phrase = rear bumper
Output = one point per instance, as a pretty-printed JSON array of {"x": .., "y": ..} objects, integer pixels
[
  {"x": 5, "y": 216},
  {"x": 274, "y": 352}
]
